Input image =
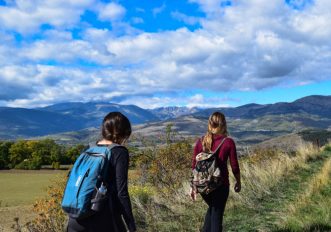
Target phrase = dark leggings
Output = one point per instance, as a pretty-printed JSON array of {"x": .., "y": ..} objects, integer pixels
[{"x": 216, "y": 201}]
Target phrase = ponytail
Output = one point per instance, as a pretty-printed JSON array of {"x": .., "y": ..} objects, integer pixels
[
  {"x": 216, "y": 125},
  {"x": 207, "y": 141}
]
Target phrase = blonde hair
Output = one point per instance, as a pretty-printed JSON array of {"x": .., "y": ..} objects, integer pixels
[{"x": 216, "y": 125}]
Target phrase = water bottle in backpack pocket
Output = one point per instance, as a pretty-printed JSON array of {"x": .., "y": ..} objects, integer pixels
[{"x": 98, "y": 201}]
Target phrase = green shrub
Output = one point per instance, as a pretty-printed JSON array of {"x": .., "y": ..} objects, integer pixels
[
  {"x": 171, "y": 166},
  {"x": 327, "y": 148},
  {"x": 142, "y": 193},
  {"x": 56, "y": 165},
  {"x": 261, "y": 155},
  {"x": 4, "y": 154},
  {"x": 29, "y": 165},
  {"x": 165, "y": 166},
  {"x": 19, "y": 152},
  {"x": 72, "y": 153}
]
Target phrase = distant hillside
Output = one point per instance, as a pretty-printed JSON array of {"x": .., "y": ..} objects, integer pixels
[
  {"x": 20, "y": 123},
  {"x": 251, "y": 123},
  {"x": 290, "y": 142},
  {"x": 247, "y": 131},
  {"x": 315, "y": 105},
  {"x": 24, "y": 123},
  {"x": 91, "y": 113},
  {"x": 83, "y": 136},
  {"x": 165, "y": 113}
]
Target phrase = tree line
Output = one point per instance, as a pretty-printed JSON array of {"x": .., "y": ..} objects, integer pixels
[{"x": 32, "y": 154}]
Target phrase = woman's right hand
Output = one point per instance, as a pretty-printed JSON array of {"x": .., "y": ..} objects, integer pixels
[
  {"x": 193, "y": 194},
  {"x": 237, "y": 187}
]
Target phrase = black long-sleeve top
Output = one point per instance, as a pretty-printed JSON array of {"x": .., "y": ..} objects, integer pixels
[
  {"x": 110, "y": 218},
  {"x": 118, "y": 177}
]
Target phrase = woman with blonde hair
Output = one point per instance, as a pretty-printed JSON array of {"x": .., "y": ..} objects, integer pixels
[{"x": 216, "y": 200}]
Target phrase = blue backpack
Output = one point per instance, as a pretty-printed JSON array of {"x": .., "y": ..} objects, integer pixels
[{"x": 88, "y": 173}]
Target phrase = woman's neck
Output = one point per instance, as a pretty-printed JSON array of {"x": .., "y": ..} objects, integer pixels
[{"x": 104, "y": 141}]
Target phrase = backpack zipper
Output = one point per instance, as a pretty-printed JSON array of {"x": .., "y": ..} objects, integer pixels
[{"x": 81, "y": 183}]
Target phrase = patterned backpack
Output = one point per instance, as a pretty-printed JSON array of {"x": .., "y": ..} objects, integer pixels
[{"x": 206, "y": 174}]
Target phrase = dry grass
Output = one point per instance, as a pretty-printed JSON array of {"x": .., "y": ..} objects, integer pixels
[
  {"x": 312, "y": 201},
  {"x": 50, "y": 216},
  {"x": 8, "y": 214},
  {"x": 320, "y": 180},
  {"x": 262, "y": 171}
]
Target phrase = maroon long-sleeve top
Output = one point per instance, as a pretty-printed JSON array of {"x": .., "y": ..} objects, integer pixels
[{"x": 227, "y": 151}]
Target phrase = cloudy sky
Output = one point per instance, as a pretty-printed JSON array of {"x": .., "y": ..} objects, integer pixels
[{"x": 163, "y": 52}]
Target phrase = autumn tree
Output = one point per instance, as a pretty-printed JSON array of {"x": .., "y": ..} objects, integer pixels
[
  {"x": 4, "y": 154},
  {"x": 18, "y": 152}
]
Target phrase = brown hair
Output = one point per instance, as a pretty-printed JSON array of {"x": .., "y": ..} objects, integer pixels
[
  {"x": 216, "y": 125},
  {"x": 116, "y": 127}
]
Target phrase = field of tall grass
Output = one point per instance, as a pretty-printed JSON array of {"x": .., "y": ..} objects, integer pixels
[
  {"x": 280, "y": 192},
  {"x": 312, "y": 207}
]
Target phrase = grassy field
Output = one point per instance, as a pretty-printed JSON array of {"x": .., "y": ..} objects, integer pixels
[
  {"x": 19, "y": 190},
  {"x": 279, "y": 193}
]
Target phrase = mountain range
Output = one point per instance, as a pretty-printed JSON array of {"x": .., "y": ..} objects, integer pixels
[
  {"x": 63, "y": 117},
  {"x": 164, "y": 113},
  {"x": 249, "y": 123},
  {"x": 314, "y": 104}
]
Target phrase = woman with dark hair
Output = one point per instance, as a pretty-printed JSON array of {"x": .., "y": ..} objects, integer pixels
[
  {"x": 117, "y": 213},
  {"x": 216, "y": 200}
]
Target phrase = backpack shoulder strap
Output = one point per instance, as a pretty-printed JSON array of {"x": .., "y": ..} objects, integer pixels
[
  {"x": 219, "y": 146},
  {"x": 106, "y": 150},
  {"x": 201, "y": 139}
]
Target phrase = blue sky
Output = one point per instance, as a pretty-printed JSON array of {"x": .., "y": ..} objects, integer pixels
[{"x": 156, "y": 53}]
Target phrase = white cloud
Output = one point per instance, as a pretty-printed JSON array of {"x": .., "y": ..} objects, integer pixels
[
  {"x": 26, "y": 16},
  {"x": 111, "y": 11},
  {"x": 197, "y": 100},
  {"x": 314, "y": 23},
  {"x": 251, "y": 45},
  {"x": 210, "y": 7},
  {"x": 47, "y": 84},
  {"x": 67, "y": 51}
]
